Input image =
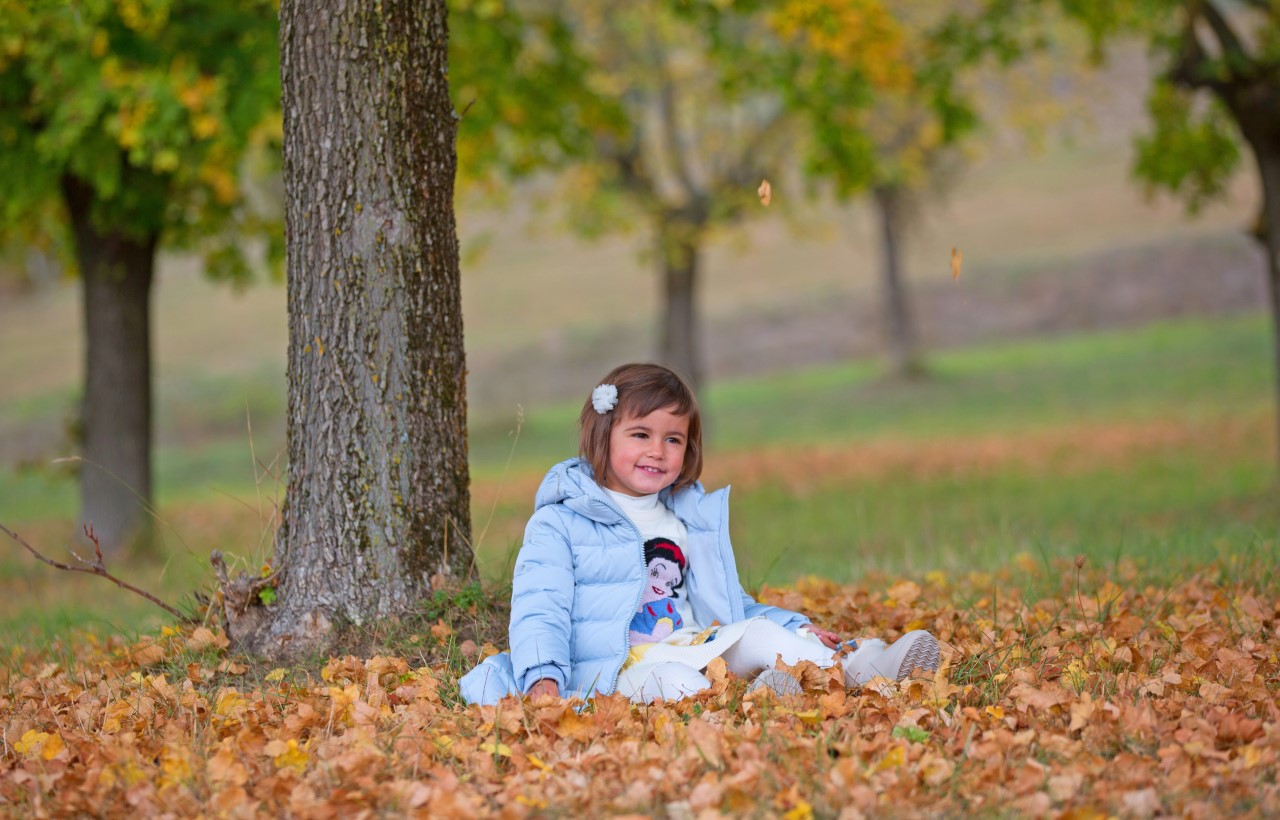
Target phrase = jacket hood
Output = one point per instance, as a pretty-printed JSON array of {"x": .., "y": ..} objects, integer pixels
[{"x": 572, "y": 484}]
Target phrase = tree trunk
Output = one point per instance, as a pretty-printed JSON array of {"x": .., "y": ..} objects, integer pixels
[
  {"x": 900, "y": 336},
  {"x": 115, "y": 477},
  {"x": 1255, "y": 105},
  {"x": 377, "y": 500},
  {"x": 679, "y": 246},
  {"x": 1268, "y": 157}
]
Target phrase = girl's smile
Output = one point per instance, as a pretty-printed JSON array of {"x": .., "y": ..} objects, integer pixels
[{"x": 646, "y": 453}]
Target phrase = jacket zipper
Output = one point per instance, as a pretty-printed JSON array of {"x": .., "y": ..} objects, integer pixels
[{"x": 626, "y": 636}]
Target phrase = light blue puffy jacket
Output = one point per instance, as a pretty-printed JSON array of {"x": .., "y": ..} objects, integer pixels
[{"x": 579, "y": 577}]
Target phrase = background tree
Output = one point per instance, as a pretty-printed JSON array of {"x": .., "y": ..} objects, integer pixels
[
  {"x": 1218, "y": 85},
  {"x": 377, "y": 501},
  {"x": 883, "y": 111},
  {"x": 123, "y": 128},
  {"x": 667, "y": 121}
]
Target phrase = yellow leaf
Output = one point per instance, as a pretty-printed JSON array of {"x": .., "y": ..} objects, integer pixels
[
  {"x": 31, "y": 742},
  {"x": 893, "y": 759},
  {"x": 52, "y": 746},
  {"x": 957, "y": 259},
  {"x": 276, "y": 674},
  {"x": 99, "y": 45},
  {"x": 531, "y": 802},
  {"x": 228, "y": 701},
  {"x": 812, "y": 717},
  {"x": 174, "y": 767},
  {"x": 496, "y": 748},
  {"x": 288, "y": 755},
  {"x": 802, "y": 811},
  {"x": 766, "y": 192},
  {"x": 537, "y": 761}
]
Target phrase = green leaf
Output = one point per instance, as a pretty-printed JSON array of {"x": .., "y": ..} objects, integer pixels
[{"x": 914, "y": 734}]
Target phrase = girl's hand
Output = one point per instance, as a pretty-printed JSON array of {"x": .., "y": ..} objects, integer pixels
[
  {"x": 829, "y": 639},
  {"x": 546, "y": 686}
]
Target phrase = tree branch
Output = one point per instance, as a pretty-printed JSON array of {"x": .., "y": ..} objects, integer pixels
[
  {"x": 1232, "y": 48},
  {"x": 667, "y": 116},
  {"x": 95, "y": 567},
  {"x": 1188, "y": 66}
]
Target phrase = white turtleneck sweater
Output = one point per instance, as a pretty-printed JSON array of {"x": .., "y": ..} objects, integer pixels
[{"x": 654, "y": 520}]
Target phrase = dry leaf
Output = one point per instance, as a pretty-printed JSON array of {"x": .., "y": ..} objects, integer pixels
[
  {"x": 957, "y": 259},
  {"x": 765, "y": 191},
  {"x": 1013, "y": 722}
]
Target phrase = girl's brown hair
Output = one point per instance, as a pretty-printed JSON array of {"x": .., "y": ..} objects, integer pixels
[{"x": 642, "y": 388}]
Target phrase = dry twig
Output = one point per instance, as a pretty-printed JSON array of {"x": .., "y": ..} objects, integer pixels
[{"x": 95, "y": 567}]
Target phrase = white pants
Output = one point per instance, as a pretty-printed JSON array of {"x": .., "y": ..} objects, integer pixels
[{"x": 762, "y": 644}]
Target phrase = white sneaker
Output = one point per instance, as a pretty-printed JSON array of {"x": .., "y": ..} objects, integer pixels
[
  {"x": 914, "y": 650},
  {"x": 782, "y": 683}
]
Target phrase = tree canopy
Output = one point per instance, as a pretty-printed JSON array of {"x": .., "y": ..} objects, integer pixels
[{"x": 152, "y": 104}]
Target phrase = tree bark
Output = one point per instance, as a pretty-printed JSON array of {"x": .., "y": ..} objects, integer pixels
[
  {"x": 377, "y": 500},
  {"x": 679, "y": 250},
  {"x": 900, "y": 336},
  {"x": 115, "y": 476}
]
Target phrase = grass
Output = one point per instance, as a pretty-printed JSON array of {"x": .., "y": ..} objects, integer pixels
[{"x": 1150, "y": 444}]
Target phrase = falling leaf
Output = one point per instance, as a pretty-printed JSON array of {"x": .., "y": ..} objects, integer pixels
[
  {"x": 957, "y": 259},
  {"x": 765, "y": 191}
]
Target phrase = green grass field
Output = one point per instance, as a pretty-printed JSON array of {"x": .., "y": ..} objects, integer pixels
[{"x": 1152, "y": 445}]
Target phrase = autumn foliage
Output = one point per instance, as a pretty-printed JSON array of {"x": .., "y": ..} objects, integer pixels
[{"x": 1100, "y": 696}]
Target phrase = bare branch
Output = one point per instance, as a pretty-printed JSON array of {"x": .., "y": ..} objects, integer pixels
[
  {"x": 95, "y": 567},
  {"x": 1232, "y": 47}
]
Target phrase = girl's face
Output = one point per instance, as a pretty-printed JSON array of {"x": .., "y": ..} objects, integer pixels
[
  {"x": 646, "y": 453},
  {"x": 664, "y": 577}
]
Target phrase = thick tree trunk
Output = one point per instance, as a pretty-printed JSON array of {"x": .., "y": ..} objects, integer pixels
[
  {"x": 679, "y": 247},
  {"x": 900, "y": 336},
  {"x": 115, "y": 477},
  {"x": 377, "y": 500}
]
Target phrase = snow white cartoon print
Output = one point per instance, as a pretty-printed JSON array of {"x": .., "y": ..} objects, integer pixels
[{"x": 657, "y": 616}]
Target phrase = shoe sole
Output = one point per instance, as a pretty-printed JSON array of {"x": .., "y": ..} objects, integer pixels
[
  {"x": 776, "y": 680},
  {"x": 922, "y": 654}
]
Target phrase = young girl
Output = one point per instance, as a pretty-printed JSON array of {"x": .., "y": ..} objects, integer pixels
[{"x": 626, "y": 581}]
